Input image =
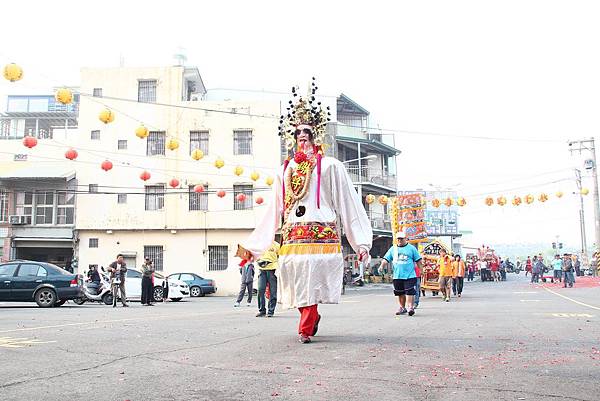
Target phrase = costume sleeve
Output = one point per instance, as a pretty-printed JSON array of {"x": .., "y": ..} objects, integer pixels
[
  {"x": 349, "y": 208},
  {"x": 262, "y": 237}
]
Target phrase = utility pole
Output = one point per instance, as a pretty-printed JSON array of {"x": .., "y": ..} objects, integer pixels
[
  {"x": 589, "y": 145},
  {"x": 581, "y": 214}
]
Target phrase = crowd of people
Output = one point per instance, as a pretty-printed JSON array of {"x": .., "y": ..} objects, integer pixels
[{"x": 564, "y": 269}]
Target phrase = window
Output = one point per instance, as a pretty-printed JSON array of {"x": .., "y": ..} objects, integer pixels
[
  {"x": 155, "y": 197},
  {"x": 93, "y": 188},
  {"x": 44, "y": 207},
  {"x": 242, "y": 189},
  {"x": 155, "y": 144},
  {"x": 3, "y": 206},
  {"x": 121, "y": 198},
  {"x": 95, "y": 135},
  {"x": 198, "y": 200},
  {"x": 122, "y": 144},
  {"x": 8, "y": 270},
  {"x": 24, "y": 205},
  {"x": 199, "y": 140},
  {"x": 187, "y": 277},
  {"x": 147, "y": 90},
  {"x": 155, "y": 253},
  {"x": 93, "y": 243},
  {"x": 97, "y": 92},
  {"x": 65, "y": 210},
  {"x": 30, "y": 270},
  {"x": 217, "y": 258},
  {"x": 242, "y": 142}
]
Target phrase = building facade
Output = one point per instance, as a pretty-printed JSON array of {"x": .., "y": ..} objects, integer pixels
[
  {"x": 180, "y": 229},
  {"x": 37, "y": 193}
]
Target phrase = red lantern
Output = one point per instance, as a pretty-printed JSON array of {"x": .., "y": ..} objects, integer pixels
[
  {"x": 174, "y": 183},
  {"x": 106, "y": 165},
  {"x": 71, "y": 154},
  {"x": 145, "y": 176},
  {"x": 199, "y": 188},
  {"x": 241, "y": 197},
  {"x": 30, "y": 141},
  {"x": 259, "y": 200},
  {"x": 221, "y": 193}
]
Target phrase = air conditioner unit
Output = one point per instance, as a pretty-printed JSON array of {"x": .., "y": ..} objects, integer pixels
[{"x": 16, "y": 220}]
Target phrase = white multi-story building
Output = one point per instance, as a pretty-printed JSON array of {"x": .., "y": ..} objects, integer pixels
[{"x": 116, "y": 211}]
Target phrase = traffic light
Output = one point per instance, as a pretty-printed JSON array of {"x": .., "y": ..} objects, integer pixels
[
  {"x": 554, "y": 245},
  {"x": 560, "y": 245}
]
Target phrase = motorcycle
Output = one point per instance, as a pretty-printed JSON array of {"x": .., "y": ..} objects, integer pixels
[{"x": 93, "y": 292}]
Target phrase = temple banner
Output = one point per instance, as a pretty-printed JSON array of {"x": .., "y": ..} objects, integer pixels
[{"x": 410, "y": 212}]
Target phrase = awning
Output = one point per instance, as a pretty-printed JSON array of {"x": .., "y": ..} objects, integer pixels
[
  {"x": 32, "y": 242},
  {"x": 38, "y": 171}
]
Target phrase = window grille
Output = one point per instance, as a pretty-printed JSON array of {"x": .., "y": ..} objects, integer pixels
[
  {"x": 24, "y": 205},
  {"x": 155, "y": 143},
  {"x": 122, "y": 144},
  {"x": 95, "y": 135},
  {"x": 217, "y": 257},
  {"x": 155, "y": 254},
  {"x": 242, "y": 142},
  {"x": 155, "y": 197},
  {"x": 65, "y": 210},
  {"x": 242, "y": 189},
  {"x": 121, "y": 198},
  {"x": 3, "y": 206},
  {"x": 93, "y": 243},
  {"x": 97, "y": 92},
  {"x": 147, "y": 90},
  {"x": 199, "y": 140},
  {"x": 93, "y": 188},
  {"x": 198, "y": 200}
]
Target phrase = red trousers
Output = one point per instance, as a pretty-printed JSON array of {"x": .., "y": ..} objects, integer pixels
[{"x": 308, "y": 318}]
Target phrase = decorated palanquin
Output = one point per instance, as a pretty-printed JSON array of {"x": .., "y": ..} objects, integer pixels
[{"x": 430, "y": 274}]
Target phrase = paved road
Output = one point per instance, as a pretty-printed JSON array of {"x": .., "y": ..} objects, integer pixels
[{"x": 501, "y": 341}]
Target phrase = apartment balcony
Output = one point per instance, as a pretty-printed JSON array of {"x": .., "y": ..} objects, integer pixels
[
  {"x": 370, "y": 175},
  {"x": 379, "y": 221}
]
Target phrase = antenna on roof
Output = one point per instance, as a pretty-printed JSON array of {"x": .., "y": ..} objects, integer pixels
[{"x": 180, "y": 57}]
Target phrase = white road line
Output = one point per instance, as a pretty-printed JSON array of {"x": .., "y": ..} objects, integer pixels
[{"x": 571, "y": 299}]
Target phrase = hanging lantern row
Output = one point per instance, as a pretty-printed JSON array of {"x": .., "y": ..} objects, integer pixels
[{"x": 64, "y": 96}]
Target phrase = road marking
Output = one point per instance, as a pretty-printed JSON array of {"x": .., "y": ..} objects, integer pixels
[
  {"x": 525, "y": 292},
  {"x": 8, "y": 342},
  {"x": 571, "y": 315},
  {"x": 571, "y": 299},
  {"x": 112, "y": 321}
]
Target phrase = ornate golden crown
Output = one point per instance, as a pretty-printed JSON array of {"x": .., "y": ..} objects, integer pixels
[{"x": 304, "y": 112}]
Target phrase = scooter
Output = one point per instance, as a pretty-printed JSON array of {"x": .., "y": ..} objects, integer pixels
[{"x": 93, "y": 292}]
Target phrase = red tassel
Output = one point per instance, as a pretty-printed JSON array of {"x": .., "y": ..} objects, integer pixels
[
  {"x": 286, "y": 162},
  {"x": 243, "y": 262},
  {"x": 318, "y": 180}
]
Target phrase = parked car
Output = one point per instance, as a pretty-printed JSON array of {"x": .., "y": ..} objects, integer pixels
[
  {"x": 133, "y": 286},
  {"x": 44, "y": 283},
  {"x": 199, "y": 286}
]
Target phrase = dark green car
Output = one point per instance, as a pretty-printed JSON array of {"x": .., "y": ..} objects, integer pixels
[{"x": 44, "y": 283}]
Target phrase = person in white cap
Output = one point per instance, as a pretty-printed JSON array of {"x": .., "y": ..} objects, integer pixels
[{"x": 403, "y": 258}]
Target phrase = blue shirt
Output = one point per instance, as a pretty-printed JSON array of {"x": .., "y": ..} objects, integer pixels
[
  {"x": 557, "y": 264},
  {"x": 404, "y": 267}
]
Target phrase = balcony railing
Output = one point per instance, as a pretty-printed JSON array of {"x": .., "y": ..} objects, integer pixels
[{"x": 372, "y": 175}]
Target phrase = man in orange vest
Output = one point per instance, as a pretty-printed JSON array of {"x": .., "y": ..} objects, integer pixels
[
  {"x": 458, "y": 275},
  {"x": 445, "y": 268}
]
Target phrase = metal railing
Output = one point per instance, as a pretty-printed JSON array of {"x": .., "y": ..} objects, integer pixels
[{"x": 376, "y": 176}]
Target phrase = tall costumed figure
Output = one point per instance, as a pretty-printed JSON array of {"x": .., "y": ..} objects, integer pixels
[{"x": 312, "y": 194}]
